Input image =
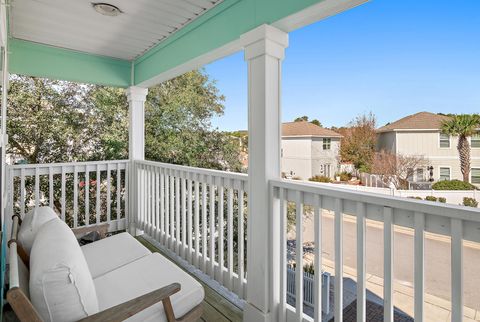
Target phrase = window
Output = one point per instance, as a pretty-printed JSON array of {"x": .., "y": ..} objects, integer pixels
[
  {"x": 327, "y": 142},
  {"x": 475, "y": 141},
  {"x": 444, "y": 140},
  {"x": 444, "y": 173},
  {"x": 475, "y": 175},
  {"x": 420, "y": 176}
]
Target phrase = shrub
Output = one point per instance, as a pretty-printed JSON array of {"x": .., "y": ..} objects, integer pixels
[
  {"x": 431, "y": 198},
  {"x": 453, "y": 185},
  {"x": 296, "y": 178},
  {"x": 412, "y": 197},
  {"x": 320, "y": 179},
  {"x": 470, "y": 202},
  {"x": 442, "y": 199},
  {"x": 344, "y": 176},
  {"x": 309, "y": 268}
]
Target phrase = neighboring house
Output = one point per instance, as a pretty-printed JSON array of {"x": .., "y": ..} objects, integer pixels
[
  {"x": 419, "y": 134},
  {"x": 308, "y": 150}
]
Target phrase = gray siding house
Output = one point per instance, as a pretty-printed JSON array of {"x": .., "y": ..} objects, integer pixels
[
  {"x": 309, "y": 150},
  {"x": 419, "y": 134}
]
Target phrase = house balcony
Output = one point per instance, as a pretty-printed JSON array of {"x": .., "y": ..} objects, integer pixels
[{"x": 198, "y": 219}]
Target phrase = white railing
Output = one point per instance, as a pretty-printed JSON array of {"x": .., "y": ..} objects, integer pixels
[
  {"x": 82, "y": 193},
  {"x": 459, "y": 223},
  {"x": 199, "y": 215}
]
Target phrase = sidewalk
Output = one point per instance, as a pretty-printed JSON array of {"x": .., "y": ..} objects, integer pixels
[{"x": 436, "y": 309}]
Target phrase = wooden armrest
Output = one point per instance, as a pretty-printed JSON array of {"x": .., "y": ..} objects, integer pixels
[
  {"x": 125, "y": 310},
  {"x": 101, "y": 228}
]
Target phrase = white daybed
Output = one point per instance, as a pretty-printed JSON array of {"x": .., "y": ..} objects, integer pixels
[{"x": 116, "y": 278}]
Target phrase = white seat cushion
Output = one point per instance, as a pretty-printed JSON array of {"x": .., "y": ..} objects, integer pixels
[
  {"x": 61, "y": 287},
  {"x": 31, "y": 223},
  {"x": 112, "y": 252},
  {"x": 146, "y": 275}
]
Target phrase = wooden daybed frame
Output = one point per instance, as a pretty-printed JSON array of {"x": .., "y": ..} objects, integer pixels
[{"x": 26, "y": 312}]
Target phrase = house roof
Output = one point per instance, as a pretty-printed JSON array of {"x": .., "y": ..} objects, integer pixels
[
  {"x": 304, "y": 128},
  {"x": 418, "y": 121}
]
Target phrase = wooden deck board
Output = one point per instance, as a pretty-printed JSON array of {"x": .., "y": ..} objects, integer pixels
[{"x": 215, "y": 307}]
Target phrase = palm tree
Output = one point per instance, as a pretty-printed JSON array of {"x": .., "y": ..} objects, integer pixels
[{"x": 463, "y": 126}]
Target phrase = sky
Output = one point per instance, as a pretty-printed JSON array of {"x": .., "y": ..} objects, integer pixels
[{"x": 391, "y": 57}]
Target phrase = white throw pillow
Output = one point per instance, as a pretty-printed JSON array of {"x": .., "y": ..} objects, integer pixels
[
  {"x": 61, "y": 286},
  {"x": 34, "y": 219}
]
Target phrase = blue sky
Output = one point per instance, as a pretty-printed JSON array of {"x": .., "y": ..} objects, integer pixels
[{"x": 393, "y": 58}]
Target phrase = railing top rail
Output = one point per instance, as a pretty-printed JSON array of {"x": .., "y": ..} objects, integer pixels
[
  {"x": 210, "y": 172},
  {"x": 64, "y": 164},
  {"x": 428, "y": 207}
]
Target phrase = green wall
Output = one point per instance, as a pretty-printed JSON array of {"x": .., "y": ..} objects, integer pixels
[{"x": 28, "y": 58}]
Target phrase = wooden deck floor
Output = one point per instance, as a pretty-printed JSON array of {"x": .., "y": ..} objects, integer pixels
[{"x": 215, "y": 307}]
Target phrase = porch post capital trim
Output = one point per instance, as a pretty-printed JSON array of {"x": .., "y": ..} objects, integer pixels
[
  {"x": 265, "y": 40},
  {"x": 135, "y": 93}
]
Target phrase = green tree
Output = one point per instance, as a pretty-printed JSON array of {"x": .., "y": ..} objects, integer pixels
[
  {"x": 316, "y": 122},
  {"x": 178, "y": 127},
  {"x": 463, "y": 126},
  {"x": 301, "y": 119}
]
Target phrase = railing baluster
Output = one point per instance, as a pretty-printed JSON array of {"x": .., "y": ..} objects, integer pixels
[
  {"x": 189, "y": 221},
  {"x": 119, "y": 192},
  {"x": 63, "y": 194},
  {"x": 22, "y": 191},
  {"x": 299, "y": 256},
  {"x": 75, "y": 197},
  {"x": 157, "y": 203},
  {"x": 109, "y": 193},
  {"x": 283, "y": 256},
  {"x": 388, "y": 265},
  {"x": 177, "y": 214},
  {"x": 162, "y": 206},
  {"x": 221, "y": 233},
  {"x": 167, "y": 208},
  {"x": 125, "y": 195},
  {"x": 98, "y": 200},
  {"x": 230, "y": 238},
  {"x": 87, "y": 196},
  {"x": 338, "y": 260},
  {"x": 419, "y": 249},
  {"x": 172, "y": 210},
  {"x": 241, "y": 244},
  {"x": 37, "y": 188},
  {"x": 197, "y": 222},
  {"x": 50, "y": 187},
  {"x": 457, "y": 268},
  {"x": 318, "y": 257},
  {"x": 361, "y": 264},
  {"x": 212, "y": 228},
  {"x": 184, "y": 218},
  {"x": 204, "y": 226}
]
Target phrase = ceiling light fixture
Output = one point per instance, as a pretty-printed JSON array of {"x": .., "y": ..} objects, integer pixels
[{"x": 106, "y": 9}]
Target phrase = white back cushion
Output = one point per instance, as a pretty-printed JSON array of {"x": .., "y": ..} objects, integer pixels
[
  {"x": 34, "y": 219},
  {"x": 61, "y": 286}
]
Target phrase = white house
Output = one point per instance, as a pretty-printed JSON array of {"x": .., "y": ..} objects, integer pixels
[
  {"x": 309, "y": 150},
  {"x": 419, "y": 134}
]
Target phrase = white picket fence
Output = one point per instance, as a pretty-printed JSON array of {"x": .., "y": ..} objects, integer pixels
[{"x": 309, "y": 288}]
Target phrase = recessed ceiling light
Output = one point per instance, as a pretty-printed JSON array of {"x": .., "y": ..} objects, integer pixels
[{"x": 106, "y": 9}]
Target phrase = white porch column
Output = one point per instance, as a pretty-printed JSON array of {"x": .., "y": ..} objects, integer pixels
[
  {"x": 264, "y": 51},
  {"x": 136, "y": 97}
]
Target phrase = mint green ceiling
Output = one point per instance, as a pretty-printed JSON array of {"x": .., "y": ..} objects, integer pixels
[{"x": 217, "y": 27}]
